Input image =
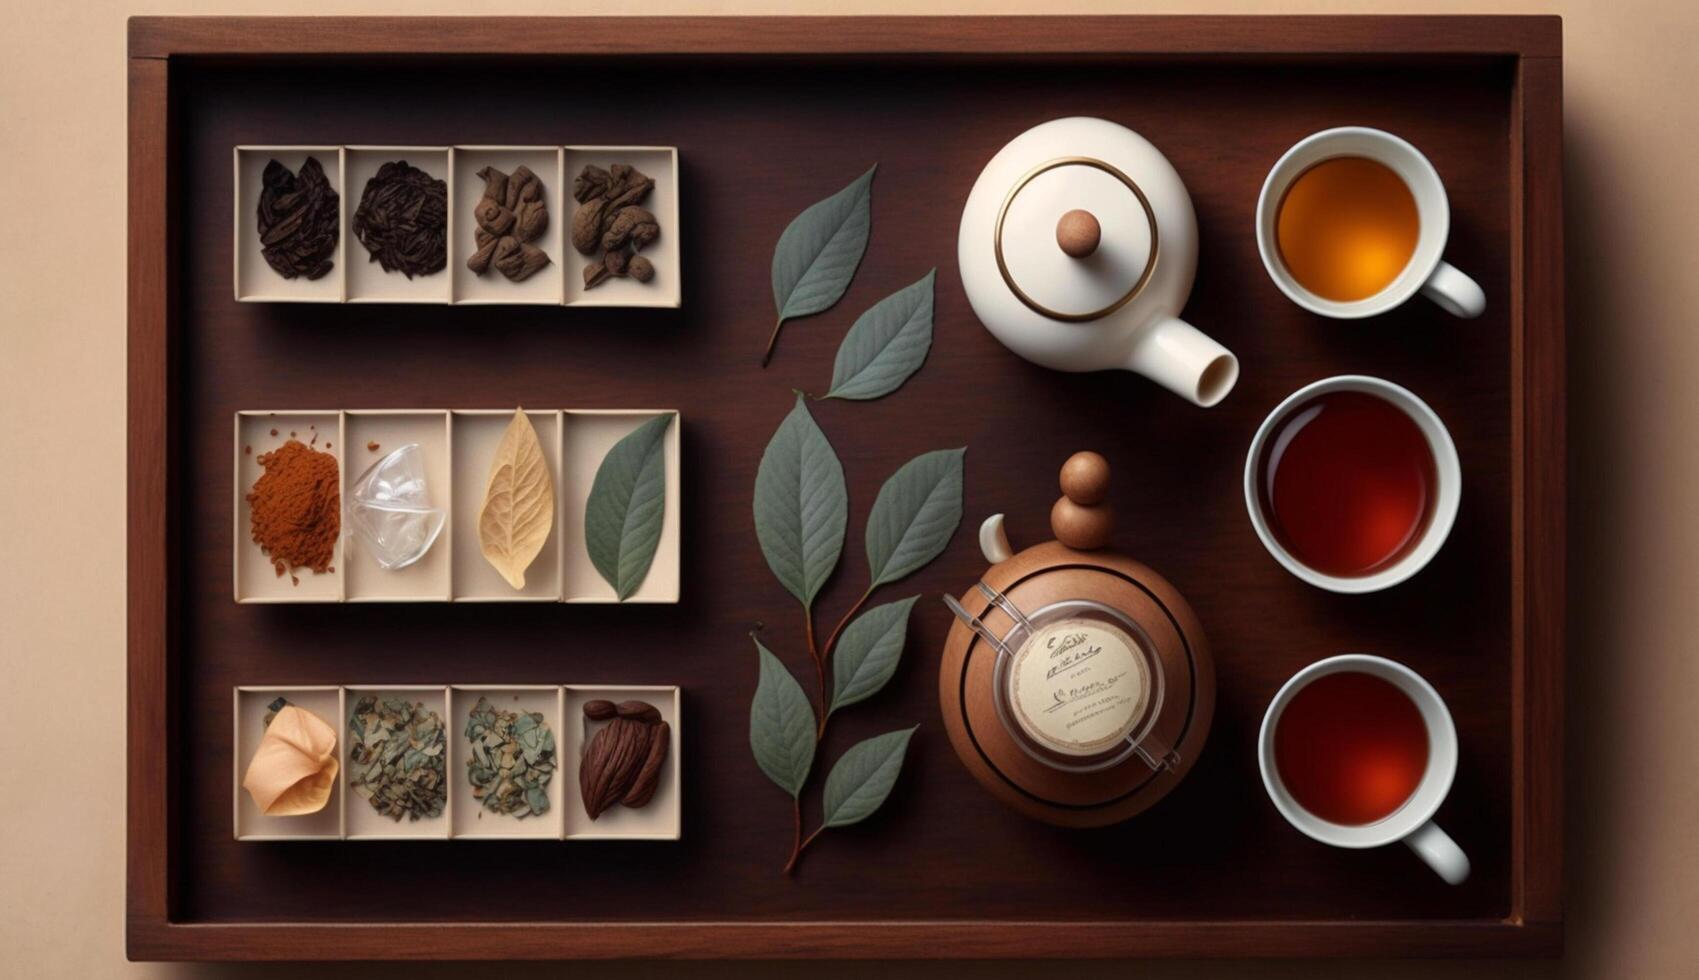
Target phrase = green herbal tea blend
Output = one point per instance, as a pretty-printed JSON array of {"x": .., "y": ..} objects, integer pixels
[
  {"x": 512, "y": 760},
  {"x": 299, "y": 220},
  {"x": 398, "y": 757},
  {"x": 403, "y": 220}
]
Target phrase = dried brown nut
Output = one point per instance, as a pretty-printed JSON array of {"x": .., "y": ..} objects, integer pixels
[
  {"x": 531, "y": 220},
  {"x": 629, "y": 186},
  {"x": 493, "y": 218},
  {"x": 640, "y": 268},
  {"x": 595, "y": 274},
  {"x": 639, "y": 711},
  {"x": 648, "y": 777},
  {"x": 587, "y": 225},
  {"x": 611, "y": 761},
  {"x": 591, "y": 182},
  {"x": 599, "y": 710},
  {"x": 634, "y": 225},
  {"x": 615, "y": 262},
  {"x": 495, "y": 184}
]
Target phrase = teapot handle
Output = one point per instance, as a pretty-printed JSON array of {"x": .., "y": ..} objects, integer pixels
[{"x": 1183, "y": 359}]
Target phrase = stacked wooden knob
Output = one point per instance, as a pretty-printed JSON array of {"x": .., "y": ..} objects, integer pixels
[{"x": 1080, "y": 519}]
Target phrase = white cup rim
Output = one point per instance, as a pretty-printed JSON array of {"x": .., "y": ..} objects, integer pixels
[
  {"x": 1448, "y": 474},
  {"x": 1430, "y": 248},
  {"x": 1423, "y": 803}
]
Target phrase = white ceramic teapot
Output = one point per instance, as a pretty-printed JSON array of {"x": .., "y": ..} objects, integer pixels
[{"x": 1077, "y": 250}]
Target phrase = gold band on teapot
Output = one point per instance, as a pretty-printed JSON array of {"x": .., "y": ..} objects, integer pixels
[{"x": 1035, "y": 305}]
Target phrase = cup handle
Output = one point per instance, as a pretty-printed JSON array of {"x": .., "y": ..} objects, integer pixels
[
  {"x": 1436, "y": 847},
  {"x": 1455, "y": 292}
]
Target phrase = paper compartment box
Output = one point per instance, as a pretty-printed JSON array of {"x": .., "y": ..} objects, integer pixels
[
  {"x": 366, "y": 281},
  {"x": 255, "y": 281},
  {"x": 476, "y": 434},
  {"x": 588, "y": 435},
  {"x": 470, "y": 821},
  {"x": 430, "y": 579},
  {"x": 248, "y": 823},
  {"x": 666, "y": 290},
  {"x": 360, "y": 821},
  {"x": 255, "y": 578},
  {"x": 466, "y": 189},
  {"x": 663, "y": 817}
]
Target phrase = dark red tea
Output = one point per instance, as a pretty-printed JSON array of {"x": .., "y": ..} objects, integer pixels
[
  {"x": 1347, "y": 483},
  {"x": 1351, "y": 747}
]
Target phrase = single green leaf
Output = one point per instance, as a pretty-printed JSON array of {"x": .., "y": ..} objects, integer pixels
[
  {"x": 801, "y": 505},
  {"x": 886, "y": 345},
  {"x": 867, "y": 653},
  {"x": 863, "y": 777},
  {"x": 781, "y": 725},
  {"x": 628, "y": 500},
  {"x": 818, "y": 253},
  {"x": 915, "y": 514}
]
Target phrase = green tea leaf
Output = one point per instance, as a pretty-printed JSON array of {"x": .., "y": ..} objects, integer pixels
[
  {"x": 915, "y": 514},
  {"x": 801, "y": 505},
  {"x": 628, "y": 500},
  {"x": 867, "y": 653},
  {"x": 886, "y": 345},
  {"x": 819, "y": 251},
  {"x": 781, "y": 725},
  {"x": 863, "y": 777}
]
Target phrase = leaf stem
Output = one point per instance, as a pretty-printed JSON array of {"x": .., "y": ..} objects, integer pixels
[
  {"x": 826, "y": 653},
  {"x": 832, "y": 640},
  {"x": 797, "y": 842},
  {"x": 772, "y": 342},
  {"x": 802, "y": 842}
]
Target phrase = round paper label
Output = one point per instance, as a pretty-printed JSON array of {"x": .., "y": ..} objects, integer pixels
[{"x": 1079, "y": 686}]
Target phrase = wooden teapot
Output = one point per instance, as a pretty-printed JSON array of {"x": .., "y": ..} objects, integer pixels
[{"x": 1077, "y": 684}]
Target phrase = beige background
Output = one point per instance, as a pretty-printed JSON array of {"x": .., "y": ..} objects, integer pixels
[{"x": 1632, "y": 150}]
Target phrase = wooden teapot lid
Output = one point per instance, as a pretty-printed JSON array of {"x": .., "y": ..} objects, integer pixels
[{"x": 1058, "y": 571}]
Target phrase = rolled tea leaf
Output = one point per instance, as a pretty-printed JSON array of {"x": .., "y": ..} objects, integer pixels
[
  {"x": 915, "y": 514},
  {"x": 781, "y": 725},
  {"x": 868, "y": 651},
  {"x": 886, "y": 345},
  {"x": 819, "y": 251},
  {"x": 863, "y": 777},
  {"x": 628, "y": 499},
  {"x": 801, "y": 505}
]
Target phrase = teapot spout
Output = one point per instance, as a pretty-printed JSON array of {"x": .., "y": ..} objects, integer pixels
[{"x": 1183, "y": 359}]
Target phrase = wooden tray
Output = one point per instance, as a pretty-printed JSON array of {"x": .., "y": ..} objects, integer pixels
[{"x": 768, "y": 116}]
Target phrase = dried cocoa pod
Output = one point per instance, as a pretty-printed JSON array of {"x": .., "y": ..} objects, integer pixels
[
  {"x": 648, "y": 777},
  {"x": 595, "y": 273},
  {"x": 611, "y": 761},
  {"x": 615, "y": 262},
  {"x": 599, "y": 710},
  {"x": 639, "y": 711},
  {"x": 494, "y": 218},
  {"x": 640, "y": 268},
  {"x": 587, "y": 225},
  {"x": 632, "y": 225},
  {"x": 495, "y": 184},
  {"x": 531, "y": 220},
  {"x": 591, "y": 182}
]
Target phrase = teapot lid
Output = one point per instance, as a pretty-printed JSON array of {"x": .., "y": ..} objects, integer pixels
[{"x": 1076, "y": 239}]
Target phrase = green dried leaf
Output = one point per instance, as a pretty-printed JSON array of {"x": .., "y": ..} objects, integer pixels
[
  {"x": 915, "y": 514},
  {"x": 863, "y": 777},
  {"x": 512, "y": 760},
  {"x": 396, "y": 758},
  {"x": 868, "y": 651},
  {"x": 781, "y": 725},
  {"x": 801, "y": 505},
  {"x": 819, "y": 251},
  {"x": 623, "y": 516},
  {"x": 886, "y": 345}
]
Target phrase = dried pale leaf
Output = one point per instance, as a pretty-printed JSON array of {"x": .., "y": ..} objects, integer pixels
[{"x": 519, "y": 503}]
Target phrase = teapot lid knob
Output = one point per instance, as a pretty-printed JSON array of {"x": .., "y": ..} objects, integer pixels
[
  {"x": 1080, "y": 519},
  {"x": 1079, "y": 234}
]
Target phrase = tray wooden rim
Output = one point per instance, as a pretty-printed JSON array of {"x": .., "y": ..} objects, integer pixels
[{"x": 1534, "y": 925}]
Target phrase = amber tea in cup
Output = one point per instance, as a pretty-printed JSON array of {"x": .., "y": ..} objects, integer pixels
[
  {"x": 1351, "y": 747},
  {"x": 1347, "y": 227}
]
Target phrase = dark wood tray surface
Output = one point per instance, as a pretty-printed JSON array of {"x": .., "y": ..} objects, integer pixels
[{"x": 1213, "y": 869}]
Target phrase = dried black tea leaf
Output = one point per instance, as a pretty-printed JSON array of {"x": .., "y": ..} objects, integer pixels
[
  {"x": 512, "y": 759},
  {"x": 403, "y": 220},
  {"x": 398, "y": 758},
  {"x": 298, "y": 219}
]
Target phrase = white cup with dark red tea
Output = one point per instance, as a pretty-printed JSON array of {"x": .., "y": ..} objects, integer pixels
[
  {"x": 1352, "y": 483},
  {"x": 1353, "y": 221},
  {"x": 1359, "y": 751}
]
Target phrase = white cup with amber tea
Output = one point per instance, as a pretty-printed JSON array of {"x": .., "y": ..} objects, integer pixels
[{"x": 1353, "y": 221}]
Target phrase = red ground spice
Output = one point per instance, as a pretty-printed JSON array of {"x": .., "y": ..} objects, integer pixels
[{"x": 296, "y": 508}]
